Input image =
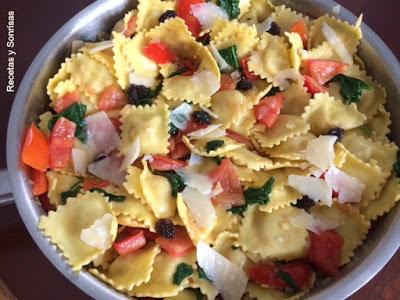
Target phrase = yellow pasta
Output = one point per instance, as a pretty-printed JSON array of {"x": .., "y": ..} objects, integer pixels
[
  {"x": 259, "y": 11},
  {"x": 325, "y": 112},
  {"x": 199, "y": 146},
  {"x": 132, "y": 183},
  {"x": 226, "y": 245},
  {"x": 59, "y": 183},
  {"x": 257, "y": 292},
  {"x": 296, "y": 99},
  {"x": 149, "y": 12},
  {"x": 148, "y": 123},
  {"x": 64, "y": 227}
]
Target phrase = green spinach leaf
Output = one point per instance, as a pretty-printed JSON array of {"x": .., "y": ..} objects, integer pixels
[
  {"x": 182, "y": 271},
  {"x": 214, "y": 145},
  {"x": 111, "y": 197},
  {"x": 230, "y": 56},
  {"x": 231, "y": 7},
  {"x": 351, "y": 88},
  {"x": 72, "y": 192}
]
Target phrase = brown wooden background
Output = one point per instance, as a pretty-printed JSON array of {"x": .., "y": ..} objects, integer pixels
[{"x": 23, "y": 267}]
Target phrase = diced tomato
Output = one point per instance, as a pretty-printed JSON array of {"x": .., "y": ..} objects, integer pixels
[
  {"x": 300, "y": 27},
  {"x": 35, "y": 151},
  {"x": 131, "y": 26},
  {"x": 165, "y": 163},
  {"x": 40, "y": 183},
  {"x": 247, "y": 73},
  {"x": 178, "y": 246},
  {"x": 232, "y": 195},
  {"x": 227, "y": 83},
  {"x": 117, "y": 123},
  {"x": 131, "y": 243},
  {"x": 325, "y": 251},
  {"x": 239, "y": 138},
  {"x": 178, "y": 149},
  {"x": 193, "y": 126},
  {"x": 91, "y": 183},
  {"x": 184, "y": 11},
  {"x": 159, "y": 52},
  {"x": 313, "y": 87},
  {"x": 113, "y": 97},
  {"x": 323, "y": 70},
  {"x": 149, "y": 235},
  {"x": 66, "y": 101},
  {"x": 300, "y": 272},
  {"x": 269, "y": 108},
  {"x": 45, "y": 202},
  {"x": 61, "y": 143}
]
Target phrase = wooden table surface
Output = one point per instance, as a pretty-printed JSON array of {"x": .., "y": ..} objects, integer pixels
[{"x": 23, "y": 268}]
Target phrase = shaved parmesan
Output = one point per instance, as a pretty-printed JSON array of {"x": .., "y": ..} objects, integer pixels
[
  {"x": 148, "y": 157},
  {"x": 137, "y": 79},
  {"x": 98, "y": 234},
  {"x": 80, "y": 160},
  {"x": 100, "y": 46},
  {"x": 283, "y": 79},
  {"x": 349, "y": 188},
  {"x": 337, "y": 44},
  {"x": 218, "y": 189},
  {"x": 316, "y": 189},
  {"x": 181, "y": 115},
  {"x": 208, "y": 13},
  {"x": 109, "y": 169},
  {"x": 195, "y": 160},
  {"x": 313, "y": 223},
  {"x": 223, "y": 65},
  {"x": 265, "y": 25},
  {"x": 321, "y": 151},
  {"x": 200, "y": 206},
  {"x": 336, "y": 9},
  {"x": 196, "y": 180},
  {"x": 102, "y": 135},
  {"x": 211, "y": 131},
  {"x": 207, "y": 82},
  {"x": 132, "y": 155},
  {"x": 228, "y": 278}
]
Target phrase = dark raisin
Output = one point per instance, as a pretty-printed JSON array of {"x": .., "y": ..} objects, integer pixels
[
  {"x": 137, "y": 94},
  {"x": 338, "y": 132},
  {"x": 204, "y": 39},
  {"x": 244, "y": 85},
  {"x": 304, "y": 203},
  {"x": 165, "y": 228},
  {"x": 167, "y": 15},
  {"x": 275, "y": 29},
  {"x": 201, "y": 117}
]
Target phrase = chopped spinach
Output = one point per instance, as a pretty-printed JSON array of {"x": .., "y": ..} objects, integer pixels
[
  {"x": 218, "y": 160},
  {"x": 231, "y": 7},
  {"x": 182, "y": 271},
  {"x": 111, "y": 197},
  {"x": 176, "y": 182},
  {"x": 75, "y": 113},
  {"x": 214, "y": 145},
  {"x": 173, "y": 130},
  {"x": 351, "y": 88},
  {"x": 289, "y": 280},
  {"x": 72, "y": 192},
  {"x": 273, "y": 92},
  {"x": 230, "y": 56},
  {"x": 202, "y": 274},
  {"x": 180, "y": 71}
]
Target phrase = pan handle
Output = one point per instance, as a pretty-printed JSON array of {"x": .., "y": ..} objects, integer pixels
[{"x": 6, "y": 196}]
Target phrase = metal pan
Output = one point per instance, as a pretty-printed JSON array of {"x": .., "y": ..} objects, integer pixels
[{"x": 31, "y": 100}]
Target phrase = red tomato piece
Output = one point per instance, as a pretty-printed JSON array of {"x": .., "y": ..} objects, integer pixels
[
  {"x": 178, "y": 149},
  {"x": 247, "y": 73},
  {"x": 313, "y": 87},
  {"x": 178, "y": 246},
  {"x": 159, "y": 52},
  {"x": 113, "y": 97},
  {"x": 45, "y": 203},
  {"x": 300, "y": 272},
  {"x": 66, "y": 101},
  {"x": 35, "y": 151},
  {"x": 323, "y": 70},
  {"x": 184, "y": 11},
  {"x": 239, "y": 138},
  {"x": 165, "y": 163},
  {"x": 131, "y": 26},
  {"x": 227, "y": 83},
  {"x": 40, "y": 183},
  {"x": 191, "y": 66},
  {"x": 232, "y": 195},
  {"x": 193, "y": 126},
  {"x": 91, "y": 183},
  {"x": 117, "y": 124},
  {"x": 325, "y": 251},
  {"x": 61, "y": 143},
  {"x": 300, "y": 27},
  {"x": 131, "y": 243},
  {"x": 269, "y": 108}
]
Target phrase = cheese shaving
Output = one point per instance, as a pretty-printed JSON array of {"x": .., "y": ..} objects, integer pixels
[
  {"x": 98, "y": 234},
  {"x": 313, "y": 223},
  {"x": 337, "y": 44},
  {"x": 132, "y": 155},
  {"x": 316, "y": 189},
  {"x": 211, "y": 131},
  {"x": 181, "y": 115},
  {"x": 321, "y": 151}
]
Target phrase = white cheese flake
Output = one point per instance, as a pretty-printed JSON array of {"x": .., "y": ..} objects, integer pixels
[
  {"x": 98, "y": 234},
  {"x": 137, "y": 79},
  {"x": 132, "y": 155},
  {"x": 200, "y": 206},
  {"x": 313, "y": 222},
  {"x": 208, "y": 13},
  {"x": 315, "y": 188},
  {"x": 337, "y": 44},
  {"x": 211, "y": 131},
  {"x": 80, "y": 160},
  {"x": 206, "y": 82},
  {"x": 181, "y": 115},
  {"x": 196, "y": 180},
  {"x": 321, "y": 151}
]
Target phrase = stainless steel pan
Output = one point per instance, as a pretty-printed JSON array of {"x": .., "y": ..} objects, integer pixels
[{"x": 31, "y": 100}]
